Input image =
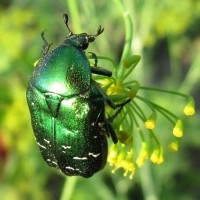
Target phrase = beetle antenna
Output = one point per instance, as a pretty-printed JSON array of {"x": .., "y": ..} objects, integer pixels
[
  {"x": 46, "y": 44},
  {"x": 99, "y": 31},
  {"x": 65, "y": 17}
]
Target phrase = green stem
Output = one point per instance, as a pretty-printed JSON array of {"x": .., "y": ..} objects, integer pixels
[
  {"x": 128, "y": 36},
  {"x": 159, "y": 108},
  {"x": 109, "y": 59},
  {"x": 165, "y": 114},
  {"x": 68, "y": 188},
  {"x": 143, "y": 118},
  {"x": 74, "y": 14},
  {"x": 147, "y": 182},
  {"x": 166, "y": 91},
  {"x": 131, "y": 82},
  {"x": 130, "y": 120},
  {"x": 136, "y": 108},
  {"x": 149, "y": 103},
  {"x": 192, "y": 78},
  {"x": 154, "y": 137},
  {"x": 138, "y": 126}
]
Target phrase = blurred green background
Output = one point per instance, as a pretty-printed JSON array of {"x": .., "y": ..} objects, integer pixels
[{"x": 166, "y": 33}]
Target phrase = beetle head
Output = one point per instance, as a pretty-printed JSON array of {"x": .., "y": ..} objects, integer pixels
[{"x": 81, "y": 40}]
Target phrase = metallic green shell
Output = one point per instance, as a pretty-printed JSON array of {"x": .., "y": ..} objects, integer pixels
[
  {"x": 68, "y": 108},
  {"x": 65, "y": 71},
  {"x": 70, "y": 132}
]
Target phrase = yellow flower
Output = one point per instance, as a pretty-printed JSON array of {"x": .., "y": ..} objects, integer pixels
[
  {"x": 150, "y": 124},
  {"x": 174, "y": 146},
  {"x": 112, "y": 155},
  {"x": 157, "y": 156},
  {"x": 128, "y": 165},
  {"x": 143, "y": 155},
  {"x": 122, "y": 159},
  {"x": 178, "y": 129},
  {"x": 114, "y": 89},
  {"x": 104, "y": 82}
]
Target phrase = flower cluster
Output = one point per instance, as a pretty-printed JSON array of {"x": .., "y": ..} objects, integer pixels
[{"x": 127, "y": 123}]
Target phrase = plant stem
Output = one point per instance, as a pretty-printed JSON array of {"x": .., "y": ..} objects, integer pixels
[
  {"x": 68, "y": 188},
  {"x": 147, "y": 183},
  {"x": 74, "y": 14},
  {"x": 165, "y": 91},
  {"x": 128, "y": 36}
]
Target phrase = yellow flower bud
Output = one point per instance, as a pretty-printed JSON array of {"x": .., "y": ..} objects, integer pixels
[
  {"x": 122, "y": 159},
  {"x": 157, "y": 156},
  {"x": 143, "y": 155},
  {"x": 133, "y": 91},
  {"x": 178, "y": 129},
  {"x": 150, "y": 124},
  {"x": 174, "y": 146},
  {"x": 114, "y": 89},
  {"x": 190, "y": 107},
  {"x": 151, "y": 121},
  {"x": 125, "y": 137},
  {"x": 131, "y": 61},
  {"x": 112, "y": 155}
]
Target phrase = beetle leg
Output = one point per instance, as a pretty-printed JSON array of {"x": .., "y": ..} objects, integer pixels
[
  {"x": 114, "y": 106},
  {"x": 98, "y": 70},
  {"x": 101, "y": 71},
  {"x": 112, "y": 132},
  {"x": 106, "y": 99},
  {"x": 110, "y": 119},
  {"x": 46, "y": 45},
  {"x": 120, "y": 107},
  {"x": 94, "y": 56}
]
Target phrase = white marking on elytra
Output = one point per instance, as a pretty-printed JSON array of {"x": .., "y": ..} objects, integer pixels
[
  {"x": 102, "y": 125},
  {"x": 71, "y": 168},
  {"x": 43, "y": 147},
  {"x": 78, "y": 158},
  {"x": 66, "y": 147},
  {"x": 68, "y": 167},
  {"x": 94, "y": 155},
  {"x": 93, "y": 123},
  {"x": 47, "y": 141},
  {"x": 55, "y": 163}
]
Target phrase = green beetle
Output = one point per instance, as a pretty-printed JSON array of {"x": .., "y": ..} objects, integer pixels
[{"x": 67, "y": 107}]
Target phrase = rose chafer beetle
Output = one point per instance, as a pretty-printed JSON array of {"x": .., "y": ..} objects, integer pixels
[{"x": 67, "y": 107}]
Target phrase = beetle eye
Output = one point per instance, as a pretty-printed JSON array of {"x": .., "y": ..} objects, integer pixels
[{"x": 84, "y": 46}]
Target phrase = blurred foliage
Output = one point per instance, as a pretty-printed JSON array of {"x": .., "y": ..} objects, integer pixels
[{"x": 166, "y": 35}]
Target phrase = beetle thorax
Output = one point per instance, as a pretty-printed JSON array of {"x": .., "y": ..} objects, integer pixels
[{"x": 79, "y": 40}]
